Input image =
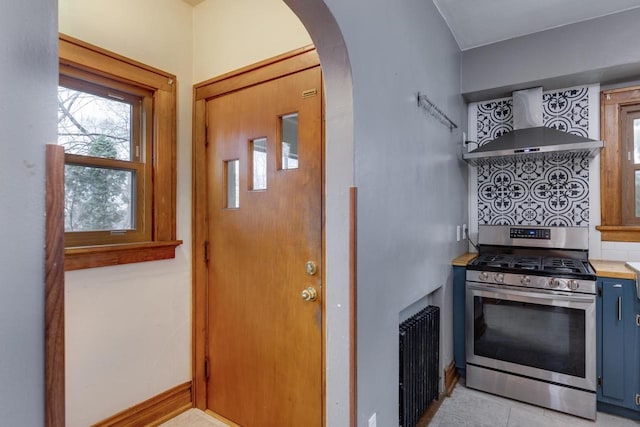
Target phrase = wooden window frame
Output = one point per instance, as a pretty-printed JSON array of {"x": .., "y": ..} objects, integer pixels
[
  {"x": 615, "y": 225},
  {"x": 156, "y": 238}
]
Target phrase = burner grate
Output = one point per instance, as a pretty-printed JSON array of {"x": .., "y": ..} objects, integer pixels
[
  {"x": 562, "y": 265},
  {"x": 530, "y": 263},
  {"x": 523, "y": 266},
  {"x": 494, "y": 261}
]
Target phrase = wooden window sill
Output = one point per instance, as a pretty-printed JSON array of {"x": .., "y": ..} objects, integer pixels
[
  {"x": 78, "y": 258},
  {"x": 619, "y": 233}
]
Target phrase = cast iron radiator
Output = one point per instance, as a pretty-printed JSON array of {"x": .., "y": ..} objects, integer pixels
[{"x": 419, "y": 361}]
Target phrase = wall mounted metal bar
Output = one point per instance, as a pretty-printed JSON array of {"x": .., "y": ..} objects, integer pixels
[{"x": 426, "y": 104}]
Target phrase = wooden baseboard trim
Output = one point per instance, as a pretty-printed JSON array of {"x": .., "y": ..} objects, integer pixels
[
  {"x": 450, "y": 378},
  {"x": 154, "y": 411},
  {"x": 426, "y": 418},
  {"x": 353, "y": 307}
]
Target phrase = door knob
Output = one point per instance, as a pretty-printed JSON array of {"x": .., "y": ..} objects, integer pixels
[{"x": 309, "y": 294}]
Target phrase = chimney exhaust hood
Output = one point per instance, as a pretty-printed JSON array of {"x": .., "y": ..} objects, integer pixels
[{"x": 530, "y": 140}]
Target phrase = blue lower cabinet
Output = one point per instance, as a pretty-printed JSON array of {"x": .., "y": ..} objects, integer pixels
[
  {"x": 459, "y": 278},
  {"x": 618, "y": 344}
]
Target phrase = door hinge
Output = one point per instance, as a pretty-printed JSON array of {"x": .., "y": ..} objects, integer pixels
[
  {"x": 206, "y": 135},
  {"x": 599, "y": 292},
  {"x": 206, "y": 368},
  {"x": 206, "y": 251},
  {"x": 599, "y": 381}
]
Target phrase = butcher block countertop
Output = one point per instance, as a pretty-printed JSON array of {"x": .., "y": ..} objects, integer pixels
[
  {"x": 464, "y": 259},
  {"x": 614, "y": 269}
]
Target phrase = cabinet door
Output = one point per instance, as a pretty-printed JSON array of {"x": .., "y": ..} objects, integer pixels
[
  {"x": 633, "y": 343},
  {"x": 619, "y": 341},
  {"x": 612, "y": 340}
]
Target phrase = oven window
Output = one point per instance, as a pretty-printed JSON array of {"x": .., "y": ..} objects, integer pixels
[{"x": 539, "y": 336}]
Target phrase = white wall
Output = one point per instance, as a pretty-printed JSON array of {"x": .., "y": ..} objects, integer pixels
[
  {"x": 28, "y": 67},
  {"x": 128, "y": 328},
  {"x": 230, "y": 34}
]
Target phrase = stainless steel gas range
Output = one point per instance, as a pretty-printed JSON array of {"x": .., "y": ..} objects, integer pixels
[{"x": 531, "y": 317}]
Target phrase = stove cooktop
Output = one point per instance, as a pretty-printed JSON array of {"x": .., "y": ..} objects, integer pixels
[{"x": 531, "y": 264}]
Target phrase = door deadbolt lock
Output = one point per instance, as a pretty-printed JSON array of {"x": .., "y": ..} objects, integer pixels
[
  {"x": 309, "y": 294},
  {"x": 311, "y": 268}
]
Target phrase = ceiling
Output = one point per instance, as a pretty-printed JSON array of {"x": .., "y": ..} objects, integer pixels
[{"x": 479, "y": 22}]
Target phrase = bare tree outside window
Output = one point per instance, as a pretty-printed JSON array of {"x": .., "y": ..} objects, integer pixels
[{"x": 96, "y": 198}]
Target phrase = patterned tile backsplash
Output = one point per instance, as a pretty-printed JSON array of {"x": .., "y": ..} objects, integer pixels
[
  {"x": 495, "y": 118},
  {"x": 567, "y": 110},
  {"x": 545, "y": 193}
]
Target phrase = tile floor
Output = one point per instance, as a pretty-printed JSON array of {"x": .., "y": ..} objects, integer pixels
[
  {"x": 465, "y": 408},
  {"x": 193, "y": 418}
]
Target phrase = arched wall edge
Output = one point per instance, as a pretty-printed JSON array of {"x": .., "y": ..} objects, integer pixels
[{"x": 339, "y": 179}]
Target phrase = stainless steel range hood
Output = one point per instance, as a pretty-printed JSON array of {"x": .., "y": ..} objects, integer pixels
[{"x": 530, "y": 140}]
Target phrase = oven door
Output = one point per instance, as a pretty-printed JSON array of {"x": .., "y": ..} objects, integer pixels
[{"x": 545, "y": 335}]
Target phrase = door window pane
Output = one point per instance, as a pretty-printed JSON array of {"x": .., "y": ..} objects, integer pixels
[
  {"x": 93, "y": 125},
  {"x": 98, "y": 199},
  {"x": 259, "y": 160},
  {"x": 289, "y": 132},
  {"x": 232, "y": 183}
]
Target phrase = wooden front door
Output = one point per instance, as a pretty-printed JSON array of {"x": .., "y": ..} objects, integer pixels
[{"x": 264, "y": 177}]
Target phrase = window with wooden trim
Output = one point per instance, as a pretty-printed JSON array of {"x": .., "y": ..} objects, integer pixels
[
  {"x": 116, "y": 121},
  {"x": 620, "y": 165}
]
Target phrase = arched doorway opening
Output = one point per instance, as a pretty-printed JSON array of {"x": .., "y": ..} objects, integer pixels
[
  {"x": 327, "y": 37},
  {"x": 339, "y": 355}
]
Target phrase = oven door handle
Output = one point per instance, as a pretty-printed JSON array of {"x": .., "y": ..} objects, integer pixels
[{"x": 533, "y": 293}]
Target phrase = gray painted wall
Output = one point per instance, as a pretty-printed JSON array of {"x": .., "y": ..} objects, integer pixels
[
  {"x": 28, "y": 68},
  {"x": 604, "y": 50},
  {"x": 411, "y": 185}
]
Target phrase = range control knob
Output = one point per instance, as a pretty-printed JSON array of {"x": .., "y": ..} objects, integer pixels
[
  {"x": 499, "y": 278},
  {"x": 484, "y": 276},
  {"x": 525, "y": 280},
  {"x": 573, "y": 284},
  {"x": 554, "y": 283}
]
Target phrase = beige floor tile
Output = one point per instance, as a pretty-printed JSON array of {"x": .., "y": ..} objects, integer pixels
[{"x": 193, "y": 418}]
